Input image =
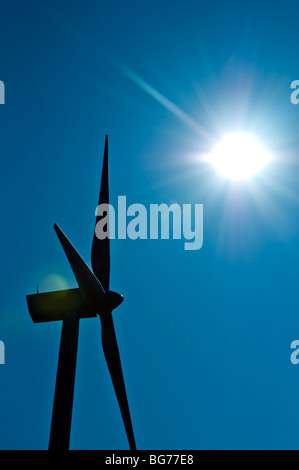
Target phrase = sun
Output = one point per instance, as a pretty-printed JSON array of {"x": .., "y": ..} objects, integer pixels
[{"x": 238, "y": 156}]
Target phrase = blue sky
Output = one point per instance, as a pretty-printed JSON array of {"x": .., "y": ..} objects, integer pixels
[{"x": 205, "y": 335}]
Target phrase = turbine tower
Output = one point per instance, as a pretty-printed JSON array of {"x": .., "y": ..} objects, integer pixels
[{"x": 91, "y": 299}]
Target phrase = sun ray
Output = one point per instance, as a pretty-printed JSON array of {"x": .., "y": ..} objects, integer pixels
[{"x": 172, "y": 107}]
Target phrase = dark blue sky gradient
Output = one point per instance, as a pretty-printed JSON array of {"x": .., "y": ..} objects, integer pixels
[{"x": 204, "y": 335}]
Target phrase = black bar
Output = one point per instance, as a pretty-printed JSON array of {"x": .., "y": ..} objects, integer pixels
[{"x": 65, "y": 380}]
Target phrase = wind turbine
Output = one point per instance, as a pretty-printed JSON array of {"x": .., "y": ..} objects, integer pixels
[{"x": 90, "y": 299}]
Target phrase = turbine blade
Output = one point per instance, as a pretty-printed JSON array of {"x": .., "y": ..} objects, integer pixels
[
  {"x": 111, "y": 353},
  {"x": 87, "y": 281},
  {"x": 100, "y": 252}
]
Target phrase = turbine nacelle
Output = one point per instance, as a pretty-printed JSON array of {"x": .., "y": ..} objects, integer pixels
[{"x": 86, "y": 301}]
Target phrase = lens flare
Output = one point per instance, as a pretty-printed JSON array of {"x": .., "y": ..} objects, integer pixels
[
  {"x": 238, "y": 156},
  {"x": 53, "y": 282}
]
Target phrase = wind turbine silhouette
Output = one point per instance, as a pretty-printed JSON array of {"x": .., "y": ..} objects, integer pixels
[{"x": 90, "y": 299}]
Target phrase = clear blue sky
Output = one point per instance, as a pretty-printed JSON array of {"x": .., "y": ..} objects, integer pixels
[{"x": 204, "y": 336}]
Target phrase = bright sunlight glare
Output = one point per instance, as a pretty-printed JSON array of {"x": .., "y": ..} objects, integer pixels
[{"x": 238, "y": 156}]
